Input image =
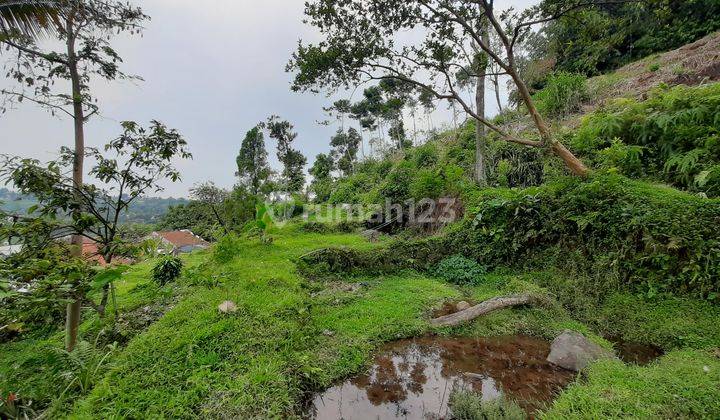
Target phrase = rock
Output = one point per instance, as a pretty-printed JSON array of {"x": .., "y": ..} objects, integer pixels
[
  {"x": 371, "y": 235},
  {"x": 571, "y": 350},
  {"x": 328, "y": 333},
  {"x": 228, "y": 307},
  {"x": 462, "y": 305}
]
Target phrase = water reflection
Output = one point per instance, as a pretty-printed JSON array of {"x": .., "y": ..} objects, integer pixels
[{"x": 414, "y": 378}]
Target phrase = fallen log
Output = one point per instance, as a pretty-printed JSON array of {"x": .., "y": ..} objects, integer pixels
[{"x": 481, "y": 309}]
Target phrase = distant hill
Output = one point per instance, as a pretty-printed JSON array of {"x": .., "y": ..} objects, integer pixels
[{"x": 143, "y": 210}]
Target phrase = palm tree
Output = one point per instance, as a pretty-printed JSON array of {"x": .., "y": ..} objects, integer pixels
[{"x": 29, "y": 17}]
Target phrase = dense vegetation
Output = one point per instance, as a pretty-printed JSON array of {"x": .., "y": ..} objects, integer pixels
[{"x": 281, "y": 306}]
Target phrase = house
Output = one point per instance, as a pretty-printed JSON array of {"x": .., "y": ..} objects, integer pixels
[
  {"x": 91, "y": 252},
  {"x": 180, "y": 241}
]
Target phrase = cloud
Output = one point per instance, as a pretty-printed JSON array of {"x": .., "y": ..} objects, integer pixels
[{"x": 212, "y": 70}]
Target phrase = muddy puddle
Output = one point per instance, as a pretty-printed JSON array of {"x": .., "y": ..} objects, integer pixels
[
  {"x": 413, "y": 379},
  {"x": 635, "y": 353}
]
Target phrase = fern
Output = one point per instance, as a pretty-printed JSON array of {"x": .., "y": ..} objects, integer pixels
[{"x": 84, "y": 365}]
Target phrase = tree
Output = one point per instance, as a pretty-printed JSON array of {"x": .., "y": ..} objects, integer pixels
[
  {"x": 345, "y": 146},
  {"x": 252, "y": 164},
  {"x": 360, "y": 45},
  {"x": 84, "y": 27},
  {"x": 213, "y": 197},
  {"x": 321, "y": 171},
  {"x": 293, "y": 161},
  {"x": 130, "y": 166}
]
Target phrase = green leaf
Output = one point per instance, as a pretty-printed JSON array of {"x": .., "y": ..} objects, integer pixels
[{"x": 107, "y": 276}]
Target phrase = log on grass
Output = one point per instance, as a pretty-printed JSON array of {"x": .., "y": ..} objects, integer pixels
[{"x": 482, "y": 308}]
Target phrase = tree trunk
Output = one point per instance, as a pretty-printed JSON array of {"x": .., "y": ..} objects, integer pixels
[
  {"x": 480, "y": 133},
  {"x": 481, "y": 309},
  {"x": 574, "y": 164},
  {"x": 72, "y": 321},
  {"x": 496, "y": 83}
]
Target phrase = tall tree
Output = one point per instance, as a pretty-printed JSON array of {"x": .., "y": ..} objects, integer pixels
[
  {"x": 360, "y": 45},
  {"x": 213, "y": 197},
  {"x": 293, "y": 161},
  {"x": 85, "y": 28},
  {"x": 321, "y": 172},
  {"x": 252, "y": 163},
  {"x": 345, "y": 146}
]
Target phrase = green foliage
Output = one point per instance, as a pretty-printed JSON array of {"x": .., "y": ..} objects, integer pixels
[
  {"x": 597, "y": 39},
  {"x": 425, "y": 156},
  {"x": 252, "y": 165},
  {"x": 322, "y": 182},
  {"x": 459, "y": 270},
  {"x": 293, "y": 160},
  {"x": 673, "y": 136},
  {"x": 656, "y": 239},
  {"x": 167, "y": 270},
  {"x": 468, "y": 405},
  {"x": 203, "y": 218},
  {"x": 562, "y": 95},
  {"x": 397, "y": 184},
  {"x": 227, "y": 248},
  {"x": 684, "y": 384},
  {"x": 84, "y": 366},
  {"x": 426, "y": 183}
]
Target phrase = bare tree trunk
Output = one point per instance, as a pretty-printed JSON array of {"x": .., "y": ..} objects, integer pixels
[
  {"x": 574, "y": 164},
  {"x": 481, "y": 309},
  {"x": 496, "y": 83},
  {"x": 72, "y": 321},
  {"x": 480, "y": 134}
]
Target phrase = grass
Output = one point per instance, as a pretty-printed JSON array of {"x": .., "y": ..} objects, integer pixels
[
  {"x": 683, "y": 384},
  {"x": 291, "y": 337}
]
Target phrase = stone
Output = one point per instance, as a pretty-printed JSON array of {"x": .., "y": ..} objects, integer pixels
[
  {"x": 328, "y": 333},
  {"x": 571, "y": 350},
  {"x": 227, "y": 307},
  {"x": 371, "y": 235}
]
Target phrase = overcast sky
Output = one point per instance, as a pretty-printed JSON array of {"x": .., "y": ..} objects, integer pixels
[{"x": 212, "y": 70}]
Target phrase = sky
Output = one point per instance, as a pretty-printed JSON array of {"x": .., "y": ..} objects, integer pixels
[{"x": 212, "y": 70}]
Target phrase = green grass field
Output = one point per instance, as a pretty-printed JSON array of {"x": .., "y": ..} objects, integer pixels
[{"x": 291, "y": 336}]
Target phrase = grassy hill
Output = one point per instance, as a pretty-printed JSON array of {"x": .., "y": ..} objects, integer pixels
[{"x": 630, "y": 252}]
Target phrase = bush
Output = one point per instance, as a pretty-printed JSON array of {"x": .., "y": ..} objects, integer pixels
[
  {"x": 460, "y": 270},
  {"x": 227, "y": 248},
  {"x": 426, "y": 155},
  {"x": 653, "y": 238},
  {"x": 562, "y": 95},
  {"x": 674, "y": 136},
  {"x": 426, "y": 184},
  {"x": 167, "y": 270},
  {"x": 397, "y": 184}
]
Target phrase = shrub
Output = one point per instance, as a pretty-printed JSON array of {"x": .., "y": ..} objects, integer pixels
[
  {"x": 654, "y": 238},
  {"x": 167, "y": 270},
  {"x": 562, "y": 95},
  {"x": 425, "y": 155},
  {"x": 673, "y": 136},
  {"x": 426, "y": 184},
  {"x": 397, "y": 184},
  {"x": 227, "y": 248},
  {"x": 460, "y": 270}
]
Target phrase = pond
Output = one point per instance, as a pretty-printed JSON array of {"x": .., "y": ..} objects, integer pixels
[{"x": 414, "y": 378}]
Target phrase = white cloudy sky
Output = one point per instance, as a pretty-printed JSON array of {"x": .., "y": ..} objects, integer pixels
[{"x": 213, "y": 70}]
